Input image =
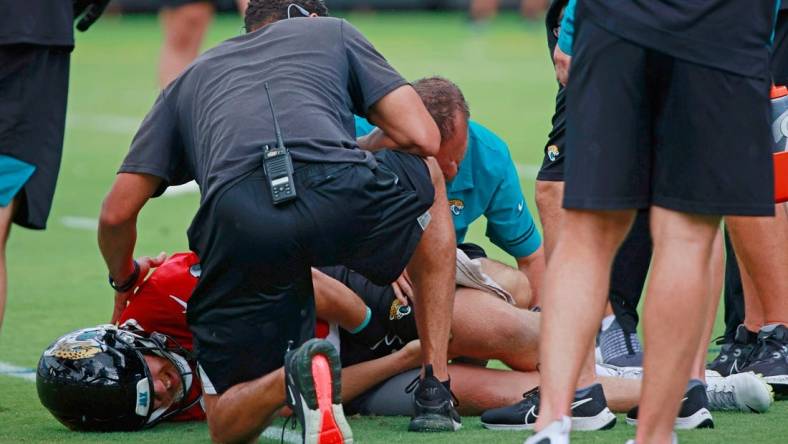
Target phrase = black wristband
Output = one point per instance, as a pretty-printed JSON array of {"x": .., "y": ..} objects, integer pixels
[{"x": 129, "y": 284}]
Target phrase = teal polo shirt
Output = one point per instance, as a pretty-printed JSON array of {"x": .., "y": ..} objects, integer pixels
[{"x": 487, "y": 185}]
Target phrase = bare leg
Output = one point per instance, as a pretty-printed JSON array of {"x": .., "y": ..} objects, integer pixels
[
  {"x": 513, "y": 337},
  {"x": 483, "y": 9},
  {"x": 432, "y": 270},
  {"x": 184, "y": 28},
  {"x": 683, "y": 246},
  {"x": 761, "y": 243},
  {"x": 242, "y": 412},
  {"x": 6, "y": 215},
  {"x": 511, "y": 279},
  {"x": 753, "y": 310},
  {"x": 575, "y": 295},
  {"x": 549, "y": 195},
  {"x": 716, "y": 274}
]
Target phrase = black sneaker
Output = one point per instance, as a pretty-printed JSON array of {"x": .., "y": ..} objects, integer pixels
[
  {"x": 313, "y": 384},
  {"x": 770, "y": 358},
  {"x": 735, "y": 356},
  {"x": 589, "y": 412},
  {"x": 694, "y": 412},
  {"x": 433, "y": 405}
]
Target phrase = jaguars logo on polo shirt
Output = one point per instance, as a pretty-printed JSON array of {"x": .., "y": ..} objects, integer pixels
[
  {"x": 456, "y": 206},
  {"x": 553, "y": 152},
  {"x": 398, "y": 311}
]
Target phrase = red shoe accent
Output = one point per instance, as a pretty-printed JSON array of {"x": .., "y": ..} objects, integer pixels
[{"x": 321, "y": 373}]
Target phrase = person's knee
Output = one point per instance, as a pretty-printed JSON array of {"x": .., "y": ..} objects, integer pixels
[
  {"x": 548, "y": 195},
  {"x": 604, "y": 230}
]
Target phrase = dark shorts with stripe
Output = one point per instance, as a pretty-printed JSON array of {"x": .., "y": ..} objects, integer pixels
[{"x": 33, "y": 93}]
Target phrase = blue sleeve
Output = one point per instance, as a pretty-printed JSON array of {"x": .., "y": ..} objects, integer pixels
[
  {"x": 363, "y": 127},
  {"x": 567, "y": 36},
  {"x": 509, "y": 222}
]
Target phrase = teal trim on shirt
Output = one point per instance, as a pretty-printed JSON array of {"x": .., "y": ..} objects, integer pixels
[
  {"x": 14, "y": 174},
  {"x": 487, "y": 185},
  {"x": 566, "y": 37}
]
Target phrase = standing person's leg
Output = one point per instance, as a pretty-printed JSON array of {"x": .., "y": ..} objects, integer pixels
[
  {"x": 549, "y": 195},
  {"x": 6, "y": 215},
  {"x": 734, "y": 292},
  {"x": 716, "y": 275},
  {"x": 184, "y": 25},
  {"x": 680, "y": 277},
  {"x": 432, "y": 269}
]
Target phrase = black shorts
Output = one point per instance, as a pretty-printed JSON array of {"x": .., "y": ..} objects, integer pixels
[
  {"x": 473, "y": 251},
  {"x": 651, "y": 129},
  {"x": 255, "y": 291},
  {"x": 33, "y": 93},
  {"x": 391, "y": 326},
  {"x": 780, "y": 50},
  {"x": 552, "y": 168},
  {"x": 389, "y": 398}
]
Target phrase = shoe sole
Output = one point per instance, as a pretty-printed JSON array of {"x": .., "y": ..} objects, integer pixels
[
  {"x": 698, "y": 420},
  {"x": 779, "y": 383},
  {"x": 323, "y": 418},
  {"x": 431, "y": 422},
  {"x": 604, "y": 420}
]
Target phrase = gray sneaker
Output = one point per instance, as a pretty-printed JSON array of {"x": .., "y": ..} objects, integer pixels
[{"x": 618, "y": 348}]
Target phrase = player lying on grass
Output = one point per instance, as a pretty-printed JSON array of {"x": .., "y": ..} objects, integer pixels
[{"x": 375, "y": 331}]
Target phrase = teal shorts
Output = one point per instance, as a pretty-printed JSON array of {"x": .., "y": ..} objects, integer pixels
[{"x": 13, "y": 175}]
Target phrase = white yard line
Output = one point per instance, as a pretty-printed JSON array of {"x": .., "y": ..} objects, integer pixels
[
  {"x": 79, "y": 223},
  {"x": 104, "y": 123},
  {"x": 27, "y": 374},
  {"x": 275, "y": 433}
]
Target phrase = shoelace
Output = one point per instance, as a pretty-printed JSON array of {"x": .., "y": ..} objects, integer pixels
[
  {"x": 770, "y": 345},
  {"x": 722, "y": 397},
  {"x": 412, "y": 385},
  {"x": 293, "y": 426}
]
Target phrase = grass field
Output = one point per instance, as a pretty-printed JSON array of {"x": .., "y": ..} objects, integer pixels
[{"x": 58, "y": 280}]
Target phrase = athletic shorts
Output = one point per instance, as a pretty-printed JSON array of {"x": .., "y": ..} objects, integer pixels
[
  {"x": 388, "y": 398},
  {"x": 780, "y": 50},
  {"x": 391, "y": 326},
  {"x": 255, "y": 292},
  {"x": 33, "y": 93},
  {"x": 552, "y": 168},
  {"x": 651, "y": 129}
]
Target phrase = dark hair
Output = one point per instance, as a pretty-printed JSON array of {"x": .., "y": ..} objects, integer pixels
[
  {"x": 443, "y": 100},
  {"x": 263, "y": 12}
]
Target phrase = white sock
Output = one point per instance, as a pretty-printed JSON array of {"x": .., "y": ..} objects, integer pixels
[{"x": 607, "y": 321}]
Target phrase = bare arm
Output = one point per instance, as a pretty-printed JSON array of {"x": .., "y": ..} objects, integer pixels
[
  {"x": 356, "y": 379},
  {"x": 403, "y": 123},
  {"x": 117, "y": 232},
  {"x": 337, "y": 304},
  {"x": 533, "y": 266}
]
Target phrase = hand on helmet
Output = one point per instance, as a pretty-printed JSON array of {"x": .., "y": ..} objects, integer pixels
[{"x": 146, "y": 264}]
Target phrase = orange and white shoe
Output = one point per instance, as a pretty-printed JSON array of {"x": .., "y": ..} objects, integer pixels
[{"x": 314, "y": 387}]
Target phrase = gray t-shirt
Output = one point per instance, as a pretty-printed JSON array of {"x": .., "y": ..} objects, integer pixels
[{"x": 211, "y": 123}]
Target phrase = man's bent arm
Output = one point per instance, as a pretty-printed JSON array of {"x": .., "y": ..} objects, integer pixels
[
  {"x": 117, "y": 232},
  {"x": 358, "y": 378},
  {"x": 406, "y": 123}
]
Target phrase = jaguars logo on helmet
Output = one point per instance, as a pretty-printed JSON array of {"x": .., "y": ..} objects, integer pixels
[{"x": 96, "y": 379}]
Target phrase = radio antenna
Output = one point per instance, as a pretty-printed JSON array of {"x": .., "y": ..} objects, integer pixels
[{"x": 280, "y": 143}]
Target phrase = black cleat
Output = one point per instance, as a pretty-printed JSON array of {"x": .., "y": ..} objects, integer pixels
[
  {"x": 735, "y": 356},
  {"x": 694, "y": 412},
  {"x": 770, "y": 358},
  {"x": 433, "y": 406},
  {"x": 589, "y": 412}
]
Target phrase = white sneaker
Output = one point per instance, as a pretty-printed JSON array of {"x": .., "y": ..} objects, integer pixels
[
  {"x": 555, "y": 433},
  {"x": 619, "y": 372},
  {"x": 746, "y": 392}
]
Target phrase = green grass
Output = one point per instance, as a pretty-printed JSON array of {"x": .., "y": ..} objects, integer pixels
[{"x": 58, "y": 280}]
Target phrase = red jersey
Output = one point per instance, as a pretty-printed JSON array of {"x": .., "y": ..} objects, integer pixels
[{"x": 159, "y": 304}]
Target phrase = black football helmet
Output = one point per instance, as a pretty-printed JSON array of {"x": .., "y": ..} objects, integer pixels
[{"x": 96, "y": 379}]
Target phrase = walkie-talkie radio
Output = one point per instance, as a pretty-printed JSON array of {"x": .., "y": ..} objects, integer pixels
[{"x": 278, "y": 164}]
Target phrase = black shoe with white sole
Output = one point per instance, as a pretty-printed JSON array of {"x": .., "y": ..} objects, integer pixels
[
  {"x": 433, "y": 405},
  {"x": 770, "y": 358},
  {"x": 589, "y": 412},
  {"x": 694, "y": 412}
]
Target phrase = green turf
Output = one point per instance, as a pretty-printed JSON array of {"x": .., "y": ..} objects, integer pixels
[{"x": 58, "y": 280}]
